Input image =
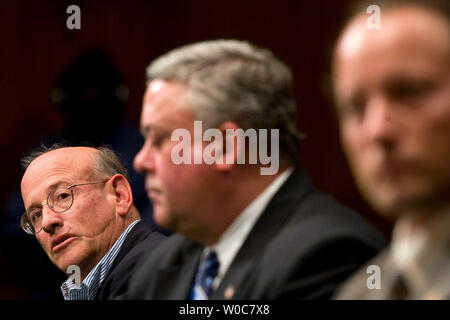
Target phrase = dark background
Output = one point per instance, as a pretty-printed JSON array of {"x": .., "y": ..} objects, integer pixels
[{"x": 36, "y": 46}]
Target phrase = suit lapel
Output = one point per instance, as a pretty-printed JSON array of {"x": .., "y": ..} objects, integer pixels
[
  {"x": 280, "y": 208},
  {"x": 137, "y": 234},
  {"x": 176, "y": 278}
]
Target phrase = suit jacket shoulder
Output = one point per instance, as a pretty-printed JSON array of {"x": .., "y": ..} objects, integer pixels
[
  {"x": 141, "y": 239},
  {"x": 381, "y": 279},
  {"x": 356, "y": 288}
]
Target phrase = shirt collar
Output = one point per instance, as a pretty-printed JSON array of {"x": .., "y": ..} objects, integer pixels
[
  {"x": 232, "y": 239},
  {"x": 419, "y": 249},
  {"x": 87, "y": 290}
]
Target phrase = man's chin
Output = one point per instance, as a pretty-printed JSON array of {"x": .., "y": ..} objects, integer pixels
[
  {"x": 393, "y": 205},
  {"x": 389, "y": 210},
  {"x": 66, "y": 261},
  {"x": 66, "y": 266},
  {"x": 162, "y": 217}
]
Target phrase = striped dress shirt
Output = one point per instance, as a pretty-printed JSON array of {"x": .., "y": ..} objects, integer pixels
[{"x": 87, "y": 290}]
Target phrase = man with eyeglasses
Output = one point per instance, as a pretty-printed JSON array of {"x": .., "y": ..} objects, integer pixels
[{"x": 79, "y": 206}]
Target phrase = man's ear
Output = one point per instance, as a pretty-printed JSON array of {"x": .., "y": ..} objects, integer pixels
[
  {"x": 230, "y": 149},
  {"x": 122, "y": 191}
]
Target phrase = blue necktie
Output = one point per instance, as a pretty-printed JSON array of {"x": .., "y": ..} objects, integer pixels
[{"x": 205, "y": 277}]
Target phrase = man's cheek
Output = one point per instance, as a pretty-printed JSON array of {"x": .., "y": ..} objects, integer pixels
[{"x": 44, "y": 242}]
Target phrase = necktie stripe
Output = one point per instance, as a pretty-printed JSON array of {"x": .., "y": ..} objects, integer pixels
[{"x": 204, "y": 279}]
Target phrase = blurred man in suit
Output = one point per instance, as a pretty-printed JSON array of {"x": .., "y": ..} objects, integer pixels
[
  {"x": 247, "y": 229},
  {"x": 79, "y": 205},
  {"x": 392, "y": 87}
]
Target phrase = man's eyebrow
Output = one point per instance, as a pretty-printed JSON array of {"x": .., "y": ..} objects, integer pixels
[
  {"x": 53, "y": 186},
  {"x": 147, "y": 129}
]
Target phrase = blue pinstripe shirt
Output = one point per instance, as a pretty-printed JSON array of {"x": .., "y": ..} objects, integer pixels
[{"x": 90, "y": 285}]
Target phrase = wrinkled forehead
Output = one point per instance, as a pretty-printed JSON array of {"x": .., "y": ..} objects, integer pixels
[{"x": 69, "y": 165}]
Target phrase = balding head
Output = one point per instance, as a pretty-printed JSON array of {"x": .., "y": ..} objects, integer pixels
[{"x": 79, "y": 162}]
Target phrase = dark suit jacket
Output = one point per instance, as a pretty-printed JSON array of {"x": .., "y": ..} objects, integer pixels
[
  {"x": 142, "y": 238},
  {"x": 302, "y": 247}
]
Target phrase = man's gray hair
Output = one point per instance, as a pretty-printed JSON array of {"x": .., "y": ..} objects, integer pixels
[
  {"x": 107, "y": 162},
  {"x": 231, "y": 80}
]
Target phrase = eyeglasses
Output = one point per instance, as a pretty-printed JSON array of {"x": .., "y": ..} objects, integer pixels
[{"x": 58, "y": 200}]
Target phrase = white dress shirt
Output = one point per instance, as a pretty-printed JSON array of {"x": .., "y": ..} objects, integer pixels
[{"x": 88, "y": 289}]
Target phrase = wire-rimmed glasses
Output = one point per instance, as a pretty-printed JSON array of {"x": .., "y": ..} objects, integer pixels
[{"x": 59, "y": 200}]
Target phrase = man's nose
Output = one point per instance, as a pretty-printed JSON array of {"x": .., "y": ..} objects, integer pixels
[
  {"x": 144, "y": 162},
  {"x": 50, "y": 220},
  {"x": 380, "y": 121}
]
